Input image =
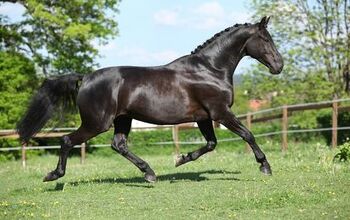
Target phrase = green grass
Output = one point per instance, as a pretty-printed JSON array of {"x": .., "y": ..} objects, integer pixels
[{"x": 224, "y": 184}]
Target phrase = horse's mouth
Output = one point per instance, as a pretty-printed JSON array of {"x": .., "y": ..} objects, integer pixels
[{"x": 275, "y": 71}]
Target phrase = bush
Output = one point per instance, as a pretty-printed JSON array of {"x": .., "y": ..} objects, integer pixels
[
  {"x": 344, "y": 153},
  {"x": 325, "y": 121}
]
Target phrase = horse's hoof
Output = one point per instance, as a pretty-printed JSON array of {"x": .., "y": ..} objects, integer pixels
[
  {"x": 51, "y": 176},
  {"x": 179, "y": 160},
  {"x": 266, "y": 169},
  {"x": 150, "y": 177}
]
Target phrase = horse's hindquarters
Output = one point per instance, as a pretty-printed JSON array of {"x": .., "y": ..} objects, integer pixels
[{"x": 97, "y": 101}]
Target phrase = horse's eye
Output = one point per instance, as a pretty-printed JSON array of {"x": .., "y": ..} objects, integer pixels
[{"x": 264, "y": 38}]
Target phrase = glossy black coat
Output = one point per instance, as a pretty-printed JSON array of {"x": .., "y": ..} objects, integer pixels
[{"x": 194, "y": 88}]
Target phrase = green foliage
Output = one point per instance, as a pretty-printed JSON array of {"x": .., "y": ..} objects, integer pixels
[
  {"x": 313, "y": 37},
  {"x": 241, "y": 100},
  {"x": 286, "y": 89},
  {"x": 344, "y": 154},
  {"x": 325, "y": 121},
  {"x": 60, "y": 35},
  {"x": 17, "y": 81},
  {"x": 311, "y": 41}
]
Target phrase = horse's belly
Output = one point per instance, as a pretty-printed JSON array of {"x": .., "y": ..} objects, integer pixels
[{"x": 167, "y": 110}]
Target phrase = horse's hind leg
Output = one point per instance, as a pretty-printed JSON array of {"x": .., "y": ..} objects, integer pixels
[
  {"x": 206, "y": 128},
  {"x": 67, "y": 143},
  {"x": 122, "y": 127}
]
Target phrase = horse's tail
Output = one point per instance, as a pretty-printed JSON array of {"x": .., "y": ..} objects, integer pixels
[{"x": 62, "y": 90}]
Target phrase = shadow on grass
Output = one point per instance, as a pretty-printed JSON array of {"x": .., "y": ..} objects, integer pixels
[
  {"x": 173, "y": 177},
  {"x": 140, "y": 181},
  {"x": 58, "y": 187},
  {"x": 196, "y": 176}
]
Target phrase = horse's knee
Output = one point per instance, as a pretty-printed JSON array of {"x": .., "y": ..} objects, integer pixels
[
  {"x": 248, "y": 137},
  {"x": 211, "y": 145},
  {"x": 66, "y": 142},
  {"x": 119, "y": 144}
]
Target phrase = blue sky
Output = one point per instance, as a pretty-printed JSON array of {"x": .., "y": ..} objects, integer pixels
[{"x": 155, "y": 32}]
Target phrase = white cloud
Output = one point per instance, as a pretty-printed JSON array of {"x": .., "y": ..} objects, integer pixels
[
  {"x": 13, "y": 11},
  {"x": 213, "y": 9},
  {"x": 207, "y": 15},
  {"x": 166, "y": 17},
  {"x": 140, "y": 56}
]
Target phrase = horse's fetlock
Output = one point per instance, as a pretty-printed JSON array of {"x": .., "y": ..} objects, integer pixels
[
  {"x": 211, "y": 145},
  {"x": 143, "y": 166},
  {"x": 261, "y": 159},
  {"x": 61, "y": 173},
  {"x": 58, "y": 172}
]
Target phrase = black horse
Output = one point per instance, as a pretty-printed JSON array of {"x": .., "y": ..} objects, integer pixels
[{"x": 194, "y": 88}]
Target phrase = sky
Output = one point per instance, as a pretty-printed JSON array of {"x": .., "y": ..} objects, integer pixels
[{"x": 155, "y": 32}]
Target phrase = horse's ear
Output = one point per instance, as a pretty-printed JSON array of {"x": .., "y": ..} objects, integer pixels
[{"x": 263, "y": 23}]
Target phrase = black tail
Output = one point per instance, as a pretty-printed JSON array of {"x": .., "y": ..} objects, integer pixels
[{"x": 53, "y": 92}]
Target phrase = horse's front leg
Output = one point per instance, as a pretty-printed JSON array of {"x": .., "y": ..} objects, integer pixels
[
  {"x": 206, "y": 128},
  {"x": 230, "y": 121}
]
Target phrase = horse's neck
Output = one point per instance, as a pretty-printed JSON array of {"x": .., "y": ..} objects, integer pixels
[{"x": 225, "y": 53}]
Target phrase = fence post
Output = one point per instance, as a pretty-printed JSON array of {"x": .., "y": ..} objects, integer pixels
[
  {"x": 82, "y": 153},
  {"x": 249, "y": 125},
  {"x": 334, "y": 124},
  {"x": 23, "y": 155},
  {"x": 176, "y": 139},
  {"x": 284, "y": 128}
]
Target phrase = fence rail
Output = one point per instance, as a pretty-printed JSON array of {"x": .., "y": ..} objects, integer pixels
[{"x": 251, "y": 117}]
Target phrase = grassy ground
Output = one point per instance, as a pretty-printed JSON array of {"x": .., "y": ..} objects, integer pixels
[{"x": 221, "y": 185}]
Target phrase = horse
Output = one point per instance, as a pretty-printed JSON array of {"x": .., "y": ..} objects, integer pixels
[{"x": 197, "y": 87}]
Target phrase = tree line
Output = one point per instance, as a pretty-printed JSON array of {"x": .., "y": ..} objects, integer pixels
[
  {"x": 314, "y": 40},
  {"x": 60, "y": 37}
]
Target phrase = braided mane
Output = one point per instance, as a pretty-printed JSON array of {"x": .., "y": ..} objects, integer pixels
[{"x": 207, "y": 42}]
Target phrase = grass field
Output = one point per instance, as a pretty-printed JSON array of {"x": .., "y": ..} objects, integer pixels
[{"x": 221, "y": 185}]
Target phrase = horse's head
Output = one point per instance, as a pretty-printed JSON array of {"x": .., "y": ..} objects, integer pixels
[{"x": 261, "y": 47}]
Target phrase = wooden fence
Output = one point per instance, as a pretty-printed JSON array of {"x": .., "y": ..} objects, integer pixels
[{"x": 283, "y": 114}]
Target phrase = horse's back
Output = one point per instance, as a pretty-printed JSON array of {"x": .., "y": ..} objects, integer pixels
[
  {"x": 159, "y": 95},
  {"x": 154, "y": 94}
]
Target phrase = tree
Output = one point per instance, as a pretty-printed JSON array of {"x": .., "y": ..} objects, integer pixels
[
  {"x": 314, "y": 37},
  {"x": 59, "y": 35},
  {"x": 17, "y": 81}
]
